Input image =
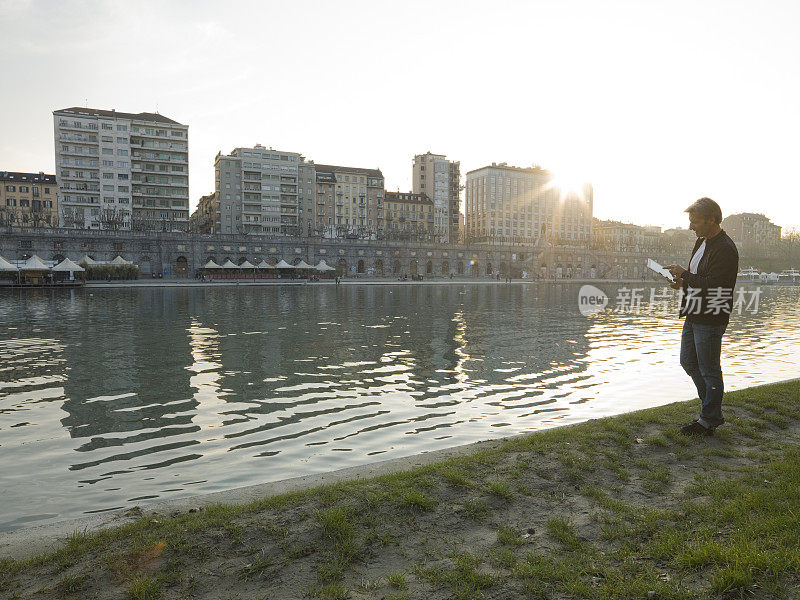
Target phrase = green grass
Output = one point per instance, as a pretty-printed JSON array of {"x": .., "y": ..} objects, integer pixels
[{"x": 727, "y": 531}]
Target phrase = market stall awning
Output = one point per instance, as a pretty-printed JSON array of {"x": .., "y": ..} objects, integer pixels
[
  {"x": 34, "y": 263},
  {"x": 264, "y": 265},
  {"x": 247, "y": 265},
  {"x": 323, "y": 266},
  {"x": 68, "y": 266},
  {"x": 229, "y": 264},
  {"x": 87, "y": 260},
  {"x": 283, "y": 265},
  {"x": 7, "y": 266},
  {"x": 119, "y": 261},
  {"x": 303, "y": 265},
  {"x": 211, "y": 265}
]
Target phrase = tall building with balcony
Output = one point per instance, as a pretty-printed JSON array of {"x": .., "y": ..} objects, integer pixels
[
  {"x": 204, "y": 217},
  {"x": 349, "y": 201},
  {"x": 507, "y": 204},
  {"x": 28, "y": 200},
  {"x": 263, "y": 190},
  {"x": 408, "y": 216},
  {"x": 119, "y": 170},
  {"x": 440, "y": 180},
  {"x": 751, "y": 229}
]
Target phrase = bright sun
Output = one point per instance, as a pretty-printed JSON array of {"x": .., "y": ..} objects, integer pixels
[{"x": 568, "y": 182}]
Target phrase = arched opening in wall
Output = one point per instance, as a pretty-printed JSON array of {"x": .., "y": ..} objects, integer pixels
[
  {"x": 242, "y": 260},
  {"x": 503, "y": 269},
  {"x": 460, "y": 268},
  {"x": 569, "y": 270},
  {"x": 396, "y": 268},
  {"x": 488, "y": 268},
  {"x": 379, "y": 268},
  {"x": 475, "y": 268},
  {"x": 360, "y": 266},
  {"x": 57, "y": 258},
  {"x": 445, "y": 268},
  {"x": 227, "y": 258},
  {"x": 144, "y": 266},
  {"x": 429, "y": 268},
  {"x": 341, "y": 267},
  {"x": 181, "y": 266},
  {"x": 413, "y": 267}
]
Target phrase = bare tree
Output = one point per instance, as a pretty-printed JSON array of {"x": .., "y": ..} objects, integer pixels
[{"x": 112, "y": 218}]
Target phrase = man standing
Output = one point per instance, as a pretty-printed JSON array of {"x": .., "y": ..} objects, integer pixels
[{"x": 706, "y": 302}]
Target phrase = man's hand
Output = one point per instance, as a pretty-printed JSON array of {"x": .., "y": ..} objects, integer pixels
[
  {"x": 677, "y": 271},
  {"x": 677, "y": 285}
]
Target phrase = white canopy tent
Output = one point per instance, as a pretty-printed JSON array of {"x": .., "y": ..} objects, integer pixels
[
  {"x": 119, "y": 261},
  {"x": 229, "y": 264},
  {"x": 67, "y": 266},
  {"x": 264, "y": 265},
  {"x": 87, "y": 260},
  {"x": 247, "y": 265},
  {"x": 303, "y": 265},
  {"x": 283, "y": 265},
  {"x": 211, "y": 265},
  {"x": 7, "y": 266},
  {"x": 34, "y": 263},
  {"x": 323, "y": 266}
]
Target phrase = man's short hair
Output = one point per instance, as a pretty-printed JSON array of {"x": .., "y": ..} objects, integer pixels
[{"x": 706, "y": 208}]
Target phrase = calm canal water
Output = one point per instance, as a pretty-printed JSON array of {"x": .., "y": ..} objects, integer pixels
[{"x": 112, "y": 398}]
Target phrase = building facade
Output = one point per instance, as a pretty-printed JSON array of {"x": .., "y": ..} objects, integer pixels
[
  {"x": 409, "y": 216},
  {"x": 624, "y": 237},
  {"x": 204, "y": 217},
  {"x": 349, "y": 202},
  {"x": 522, "y": 205},
  {"x": 28, "y": 200},
  {"x": 263, "y": 190},
  {"x": 120, "y": 170},
  {"x": 751, "y": 229},
  {"x": 440, "y": 180}
]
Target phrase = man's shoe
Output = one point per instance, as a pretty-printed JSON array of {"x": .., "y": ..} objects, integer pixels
[{"x": 695, "y": 429}]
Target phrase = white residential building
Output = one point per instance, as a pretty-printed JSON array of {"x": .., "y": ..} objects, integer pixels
[
  {"x": 512, "y": 204},
  {"x": 120, "y": 170},
  {"x": 439, "y": 179}
]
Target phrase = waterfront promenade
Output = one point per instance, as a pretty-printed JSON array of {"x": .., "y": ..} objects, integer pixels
[{"x": 621, "y": 507}]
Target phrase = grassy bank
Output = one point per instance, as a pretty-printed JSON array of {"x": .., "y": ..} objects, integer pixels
[{"x": 623, "y": 507}]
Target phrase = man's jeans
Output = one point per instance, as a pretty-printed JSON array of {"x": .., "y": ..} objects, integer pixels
[{"x": 700, "y": 351}]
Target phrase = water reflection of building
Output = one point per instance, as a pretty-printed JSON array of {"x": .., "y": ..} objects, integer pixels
[{"x": 130, "y": 376}]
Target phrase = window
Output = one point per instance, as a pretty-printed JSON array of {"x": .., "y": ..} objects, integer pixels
[
  {"x": 122, "y": 176},
  {"x": 108, "y": 176},
  {"x": 107, "y": 126},
  {"x": 11, "y": 188},
  {"x": 122, "y": 140},
  {"x": 122, "y": 128}
]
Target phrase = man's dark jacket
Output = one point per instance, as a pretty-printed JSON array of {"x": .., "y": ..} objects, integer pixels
[{"x": 717, "y": 269}]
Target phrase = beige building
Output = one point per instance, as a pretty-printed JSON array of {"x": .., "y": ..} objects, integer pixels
[
  {"x": 521, "y": 205},
  {"x": 349, "y": 202},
  {"x": 204, "y": 217},
  {"x": 120, "y": 170},
  {"x": 263, "y": 190},
  {"x": 28, "y": 200},
  {"x": 440, "y": 180},
  {"x": 625, "y": 237},
  {"x": 408, "y": 215},
  {"x": 751, "y": 229}
]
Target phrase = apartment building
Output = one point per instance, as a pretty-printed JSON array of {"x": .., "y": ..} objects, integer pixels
[
  {"x": 204, "y": 217},
  {"x": 263, "y": 190},
  {"x": 408, "y": 215},
  {"x": 440, "y": 180},
  {"x": 751, "y": 229},
  {"x": 523, "y": 205},
  {"x": 119, "y": 170},
  {"x": 28, "y": 200},
  {"x": 625, "y": 237},
  {"x": 349, "y": 201}
]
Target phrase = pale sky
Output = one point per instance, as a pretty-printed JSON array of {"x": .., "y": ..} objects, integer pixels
[{"x": 657, "y": 103}]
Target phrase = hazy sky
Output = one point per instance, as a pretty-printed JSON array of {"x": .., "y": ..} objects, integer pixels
[{"x": 656, "y": 103}]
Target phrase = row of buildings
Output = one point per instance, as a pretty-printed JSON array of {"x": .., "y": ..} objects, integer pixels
[{"x": 130, "y": 171}]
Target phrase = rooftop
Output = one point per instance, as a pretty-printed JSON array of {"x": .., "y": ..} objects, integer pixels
[
  {"x": 96, "y": 112},
  {"x": 534, "y": 169},
  {"x": 408, "y": 197},
  {"x": 350, "y": 170},
  {"x": 27, "y": 177}
]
